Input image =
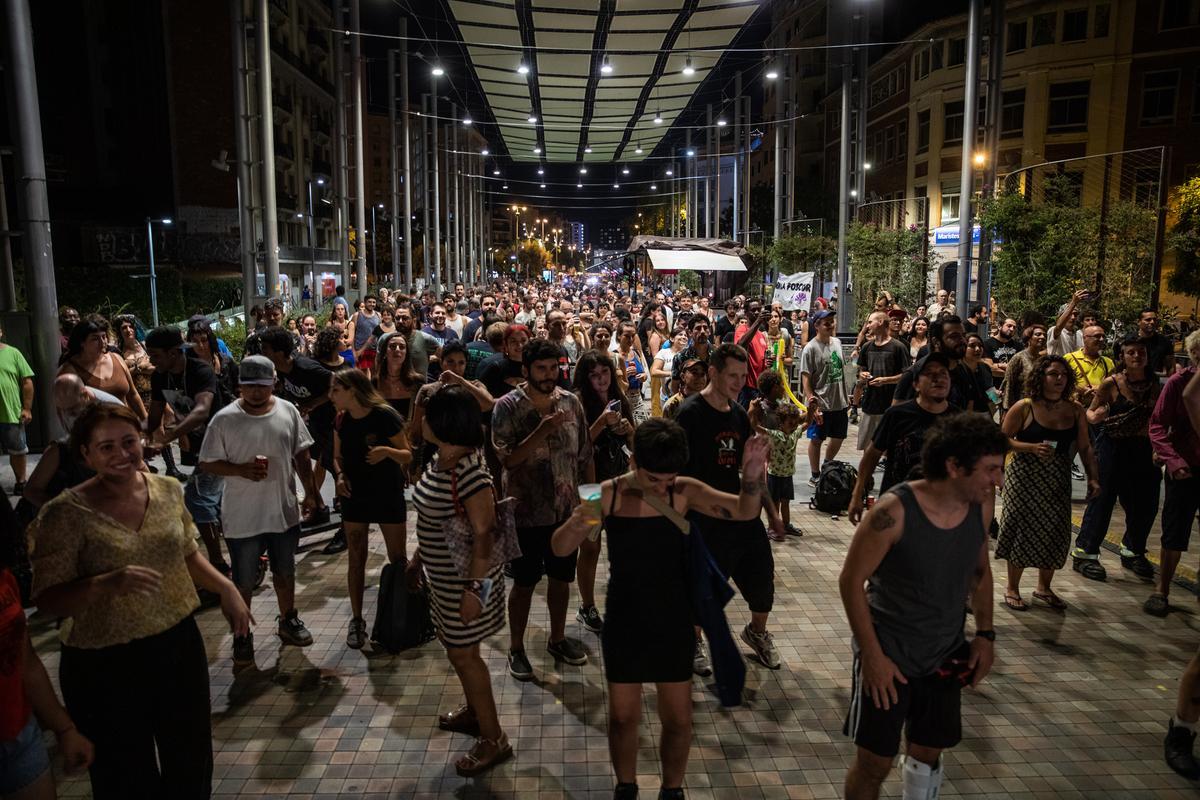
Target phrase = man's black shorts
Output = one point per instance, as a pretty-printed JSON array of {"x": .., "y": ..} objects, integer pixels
[
  {"x": 1180, "y": 503},
  {"x": 743, "y": 553},
  {"x": 929, "y": 712},
  {"x": 537, "y": 559}
]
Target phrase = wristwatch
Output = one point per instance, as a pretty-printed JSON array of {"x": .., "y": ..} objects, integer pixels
[{"x": 989, "y": 635}]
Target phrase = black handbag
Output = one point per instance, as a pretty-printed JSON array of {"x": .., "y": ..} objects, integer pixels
[{"x": 402, "y": 619}]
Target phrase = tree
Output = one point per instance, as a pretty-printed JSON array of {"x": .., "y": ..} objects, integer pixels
[
  {"x": 1049, "y": 249},
  {"x": 895, "y": 259},
  {"x": 1185, "y": 240},
  {"x": 533, "y": 258}
]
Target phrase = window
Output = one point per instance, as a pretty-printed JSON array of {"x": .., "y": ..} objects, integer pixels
[
  {"x": 921, "y": 203},
  {"x": 1068, "y": 107},
  {"x": 958, "y": 52},
  {"x": 1180, "y": 14},
  {"x": 1075, "y": 25},
  {"x": 936, "y": 49},
  {"x": 1016, "y": 36},
  {"x": 950, "y": 198},
  {"x": 1012, "y": 112},
  {"x": 923, "y": 131},
  {"x": 1100, "y": 22},
  {"x": 954, "y": 122},
  {"x": 922, "y": 63},
  {"x": 1043, "y": 29},
  {"x": 889, "y": 144},
  {"x": 1159, "y": 90},
  {"x": 1145, "y": 186},
  {"x": 902, "y": 141}
]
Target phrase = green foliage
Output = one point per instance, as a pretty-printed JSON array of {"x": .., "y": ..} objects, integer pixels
[
  {"x": 896, "y": 259},
  {"x": 110, "y": 291},
  {"x": 689, "y": 279},
  {"x": 1184, "y": 240},
  {"x": 798, "y": 253},
  {"x": 233, "y": 332},
  {"x": 1050, "y": 249}
]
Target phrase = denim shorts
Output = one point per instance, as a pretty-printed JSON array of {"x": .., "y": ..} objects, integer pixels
[
  {"x": 12, "y": 438},
  {"x": 279, "y": 548},
  {"x": 23, "y": 760},
  {"x": 202, "y": 495}
]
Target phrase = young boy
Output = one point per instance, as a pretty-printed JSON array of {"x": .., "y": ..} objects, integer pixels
[{"x": 781, "y": 467}]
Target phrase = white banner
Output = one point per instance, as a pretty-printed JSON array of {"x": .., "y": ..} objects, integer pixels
[{"x": 794, "y": 291}]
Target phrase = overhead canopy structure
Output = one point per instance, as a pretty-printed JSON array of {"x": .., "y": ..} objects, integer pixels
[
  {"x": 670, "y": 254},
  {"x": 563, "y": 50}
]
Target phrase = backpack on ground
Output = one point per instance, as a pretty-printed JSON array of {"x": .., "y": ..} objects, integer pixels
[{"x": 835, "y": 486}]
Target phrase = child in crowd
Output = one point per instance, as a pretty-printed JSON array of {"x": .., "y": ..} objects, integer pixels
[{"x": 781, "y": 467}]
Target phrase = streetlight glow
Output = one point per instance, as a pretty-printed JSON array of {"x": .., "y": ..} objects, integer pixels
[
  {"x": 606, "y": 67},
  {"x": 533, "y": 118},
  {"x": 979, "y": 159},
  {"x": 467, "y": 120},
  {"x": 658, "y": 117},
  {"x": 688, "y": 69},
  {"x": 772, "y": 74},
  {"x": 523, "y": 68}
]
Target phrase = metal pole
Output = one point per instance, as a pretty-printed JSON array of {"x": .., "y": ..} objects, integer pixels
[
  {"x": 266, "y": 139},
  {"x": 407, "y": 163},
  {"x": 453, "y": 213},
  {"x": 716, "y": 209},
  {"x": 341, "y": 149},
  {"x": 425, "y": 192},
  {"x": 1160, "y": 229},
  {"x": 845, "y": 312},
  {"x": 437, "y": 195},
  {"x": 860, "y": 124},
  {"x": 962, "y": 283},
  {"x": 995, "y": 102},
  {"x": 737, "y": 152},
  {"x": 153, "y": 274},
  {"x": 746, "y": 167},
  {"x": 778, "y": 229},
  {"x": 708, "y": 150},
  {"x": 246, "y": 239},
  {"x": 37, "y": 244},
  {"x": 394, "y": 165},
  {"x": 374, "y": 254},
  {"x": 312, "y": 248},
  {"x": 8, "y": 286},
  {"x": 360, "y": 193},
  {"x": 469, "y": 220}
]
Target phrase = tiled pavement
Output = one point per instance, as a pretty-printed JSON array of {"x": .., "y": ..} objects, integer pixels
[{"x": 1074, "y": 708}]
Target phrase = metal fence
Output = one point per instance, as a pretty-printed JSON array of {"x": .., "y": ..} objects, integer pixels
[{"x": 894, "y": 213}]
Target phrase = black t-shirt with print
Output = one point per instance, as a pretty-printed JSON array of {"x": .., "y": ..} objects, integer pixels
[
  {"x": 715, "y": 442},
  {"x": 1158, "y": 347},
  {"x": 308, "y": 379},
  {"x": 1000, "y": 352},
  {"x": 882, "y": 361},
  {"x": 900, "y": 435},
  {"x": 966, "y": 391},
  {"x": 180, "y": 391}
]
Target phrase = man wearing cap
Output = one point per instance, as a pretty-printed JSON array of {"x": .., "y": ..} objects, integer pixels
[
  {"x": 822, "y": 377},
  {"x": 881, "y": 362},
  {"x": 189, "y": 386},
  {"x": 259, "y": 445},
  {"x": 901, "y": 430},
  {"x": 694, "y": 372}
]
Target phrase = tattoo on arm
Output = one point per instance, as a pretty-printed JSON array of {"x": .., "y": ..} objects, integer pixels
[
  {"x": 881, "y": 520},
  {"x": 721, "y": 511}
]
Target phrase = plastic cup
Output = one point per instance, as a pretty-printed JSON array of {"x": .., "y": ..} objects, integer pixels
[{"x": 589, "y": 497}]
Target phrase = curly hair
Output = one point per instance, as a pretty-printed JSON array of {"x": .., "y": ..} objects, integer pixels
[{"x": 1035, "y": 381}]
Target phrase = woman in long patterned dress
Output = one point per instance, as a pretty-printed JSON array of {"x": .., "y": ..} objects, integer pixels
[
  {"x": 1046, "y": 429},
  {"x": 466, "y": 610}
]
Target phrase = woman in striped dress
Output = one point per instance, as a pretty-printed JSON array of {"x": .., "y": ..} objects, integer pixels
[{"x": 466, "y": 610}]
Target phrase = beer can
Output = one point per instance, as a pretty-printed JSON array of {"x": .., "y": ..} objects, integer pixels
[
  {"x": 870, "y": 501},
  {"x": 262, "y": 461}
]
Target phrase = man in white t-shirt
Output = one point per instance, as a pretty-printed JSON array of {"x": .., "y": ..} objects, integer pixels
[
  {"x": 822, "y": 376},
  {"x": 259, "y": 444},
  {"x": 1066, "y": 335}
]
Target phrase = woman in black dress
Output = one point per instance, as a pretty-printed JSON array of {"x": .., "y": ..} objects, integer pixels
[
  {"x": 370, "y": 452},
  {"x": 395, "y": 378},
  {"x": 610, "y": 426},
  {"x": 648, "y": 630}
]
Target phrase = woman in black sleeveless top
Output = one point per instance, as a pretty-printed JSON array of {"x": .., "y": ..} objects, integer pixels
[{"x": 648, "y": 629}]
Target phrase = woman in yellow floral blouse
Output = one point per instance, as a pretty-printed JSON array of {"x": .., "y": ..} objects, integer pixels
[{"x": 116, "y": 556}]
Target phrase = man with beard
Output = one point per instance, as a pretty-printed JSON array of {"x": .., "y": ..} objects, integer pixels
[
  {"x": 695, "y": 378},
  {"x": 438, "y": 327},
  {"x": 541, "y": 438},
  {"x": 422, "y": 348},
  {"x": 1158, "y": 347},
  {"x": 946, "y": 336},
  {"x": 901, "y": 431},
  {"x": 487, "y": 306},
  {"x": 1001, "y": 348},
  {"x": 699, "y": 330}
]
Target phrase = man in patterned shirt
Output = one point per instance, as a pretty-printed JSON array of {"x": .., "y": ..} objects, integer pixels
[
  {"x": 541, "y": 439},
  {"x": 694, "y": 377}
]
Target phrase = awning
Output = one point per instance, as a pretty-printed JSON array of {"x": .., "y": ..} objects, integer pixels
[{"x": 696, "y": 260}]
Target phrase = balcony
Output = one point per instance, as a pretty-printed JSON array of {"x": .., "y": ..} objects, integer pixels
[
  {"x": 283, "y": 104},
  {"x": 322, "y": 129},
  {"x": 286, "y": 200},
  {"x": 285, "y": 151}
]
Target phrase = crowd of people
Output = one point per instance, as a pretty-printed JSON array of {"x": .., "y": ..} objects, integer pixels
[{"x": 562, "y": 422}]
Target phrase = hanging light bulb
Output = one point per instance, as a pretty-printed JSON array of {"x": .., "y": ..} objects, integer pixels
[
  {"x": 583, "y": 170},
  {"x": 467, "y": 120},
  {"x": 579, "y": 185},
  {"x": 688, "y": 69},
  {"x": 532, "y": 118},
  {"x": 438, "y": 71},
  {"x": 670, "y": 172},
  {"x": 542, "y": 185},
  {"x": 606, "y": 66},
  {"x": 587, "y": 149},
  {"x": 653, "y": 187},
  {"x": 625, "y": 171},
  {"x": 523, "y": 68},
  {"x": 638, "y": 148},
  {"x": 495, "y": 172},
  {"x": 537, "y": 150},
  {"x": 483, "y": 152},
  {"x": 772, "y": 74},
  {"x": 721, "y": 123},
  {"x": 505, "y": 186},
  {"x": 658, "y": 117},
  {"x": 691, "y": 153},
  {"x": 541, "y": 171},
  {"x": 616, "y": 186}
]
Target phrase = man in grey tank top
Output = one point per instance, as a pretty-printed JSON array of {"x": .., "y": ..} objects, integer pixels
[{"x": 918, "y": 553}]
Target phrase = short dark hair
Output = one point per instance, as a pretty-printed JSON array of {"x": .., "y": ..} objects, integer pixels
[
  {"x": 660, "y": 445},
  {"x": 1147, "y": 310},
  {"x": 724, "y": 352},
  {"x": 273, "y": 302},
  {"x": 278, "y": 339},
  {"x": 339, "y": 289},
  {"x": 540, "y": 350},
  {"x": 938, "y": 325},
  {"x": 767, "y": 382},
  {"x": 93, "y": 417},
  {"x": 454, "y": 417},
  {"x": 964, "y": 437},
  {"x": 452, "y": 347},
  {"x": 1133, "y": 341},
  {"x": 698, "y": 319},
  {"x": 327, "y": 344}
]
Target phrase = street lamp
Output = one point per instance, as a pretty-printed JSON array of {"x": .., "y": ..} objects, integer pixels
[
  {"x": 312, "y": 241},
  {"x": 374, "y": 245},
  {"x": 153, "y": 276}
]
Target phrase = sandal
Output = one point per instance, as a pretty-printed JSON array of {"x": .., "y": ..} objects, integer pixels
[
  {"x": 483, "y": 755},
  {"x": 460, "y": 720},
  {"x": 1051, "y": 599},
  {"x": 1014, "y": 602}
]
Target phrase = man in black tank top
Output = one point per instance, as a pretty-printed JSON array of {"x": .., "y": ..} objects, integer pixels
[{"x": 919, "y": 552}]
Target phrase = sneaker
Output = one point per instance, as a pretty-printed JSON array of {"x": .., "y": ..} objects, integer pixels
[
  {"x": 243, "y": 651},
  {"x": 590, "y": 618},
  {"x": 292, "y": 630},
  {"x": 519, "y": 666},
  {"x": 812, "y": 481},
  {"x": 700, "y": 665},
  {"x": 1139, "y": 565},
  {"x": 1156, "y": 605},
  {"x": 671, "y": 794},
  {"x": 337, "y": 544},
  {"x": 853, "y": 415},
  {"x": 763, "y": 645},
  {"x": 568, "y": 651},
  {"x": 356, "y": 636},
  {"x": 1076, "y": 472},
  {"x": 1177, "y": 749}
]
